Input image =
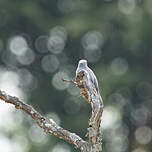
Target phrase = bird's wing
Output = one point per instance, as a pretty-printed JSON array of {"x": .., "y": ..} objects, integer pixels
[{"x": 93, "y": 78}]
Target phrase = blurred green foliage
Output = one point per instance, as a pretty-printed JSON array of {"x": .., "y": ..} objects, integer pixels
[{"x": 114, "y": 36}]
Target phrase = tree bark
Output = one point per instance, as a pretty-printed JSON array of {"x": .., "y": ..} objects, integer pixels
[{"x": 89, "y": 92}]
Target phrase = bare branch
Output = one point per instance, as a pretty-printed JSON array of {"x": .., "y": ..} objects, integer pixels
[
  {"x": 88, "y": 84},
  {"x": 92, "y": 95},
  {"x": 48, "y": 125},
  {"x": 71, "y": 81}
]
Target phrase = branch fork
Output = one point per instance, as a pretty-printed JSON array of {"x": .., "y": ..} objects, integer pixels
[{"x": 89, "y": 92}]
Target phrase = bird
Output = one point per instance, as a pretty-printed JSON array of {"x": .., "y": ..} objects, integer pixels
[{"x": 83, "y": 66}]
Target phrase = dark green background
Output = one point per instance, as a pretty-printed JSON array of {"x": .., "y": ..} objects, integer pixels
[{"x": 123, "y": 69}]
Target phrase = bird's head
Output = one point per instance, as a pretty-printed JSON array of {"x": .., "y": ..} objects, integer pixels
[{"x": 82, "y": 63}]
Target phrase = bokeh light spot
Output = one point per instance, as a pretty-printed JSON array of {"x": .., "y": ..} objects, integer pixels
[
  {"x": 57, "y": 80},
  {"x": 92, "y": 43},
  {"x": 8, "y": 146},
  {"x": 22, "y": 140},
  {"x": 139, "y": 116},
  {"x": 143, "y": 135},
  {"x": 18, "y": 45},
  {"x": 50, "y": 63},
  {"x": 118, "y": 99},
  {"x": 59, "y": 31},
  {"x": 119, "y": 140},
  {"x": 41, "y": 44},
  {"x": 37, "y": 135},
  {"x": 111, "y": 117},
  {"x": 92, "y": 40},
  {"x": 57, "y": 39},
  {"x": 55, "y": 44},
  {"x": 126, "y": 6},
  {"x": 9, "y": 82},
  {"x": 28, "y": 81},
  {"x": 27, "y": 58},
  {"x": 119, "y": 66}
]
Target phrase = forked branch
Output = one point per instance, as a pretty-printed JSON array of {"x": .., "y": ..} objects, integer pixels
[
  {"x": 90, "y": 93},
  {"x": 87, "y": 82}
]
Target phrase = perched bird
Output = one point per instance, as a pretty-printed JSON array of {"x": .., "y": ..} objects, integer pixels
[{"x": 82, "y": 66}]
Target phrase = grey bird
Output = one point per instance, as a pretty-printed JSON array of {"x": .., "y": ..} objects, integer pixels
[{"x": 83, "y": 66}]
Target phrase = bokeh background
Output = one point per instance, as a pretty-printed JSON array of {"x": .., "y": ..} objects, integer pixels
[{"x": 42, "y": 41}]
